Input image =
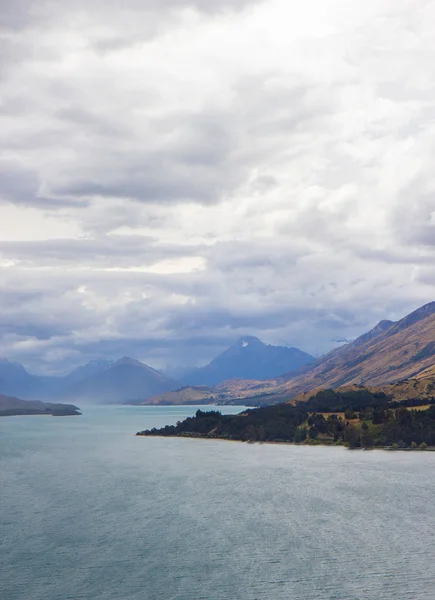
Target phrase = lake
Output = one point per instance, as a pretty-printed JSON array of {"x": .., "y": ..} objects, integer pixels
[{"x": 91, "y": 512}]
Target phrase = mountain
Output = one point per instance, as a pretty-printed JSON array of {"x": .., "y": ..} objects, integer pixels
[
  {"x": 97, "y": 381},
  {"x": 10, "y": 406},
  {"x": 16, "y": 381},
  {"x": 91, "y": 368},
  {"x": 126, "y": 380},
  {"x": 249, "y": 358},
  {"x": 389, "y": 353},
  {"x": 370, "y": 335}
]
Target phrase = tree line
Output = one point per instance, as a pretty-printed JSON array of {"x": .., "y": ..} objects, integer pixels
[{"x": 356, "y": 418}]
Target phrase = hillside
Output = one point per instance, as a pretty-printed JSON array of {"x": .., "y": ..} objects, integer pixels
[
  {"x": 249, "y": 358},
  {"x": 390, "y": 352},
  {"x": 10, "y": 406},
  {"x": 397, "y": 416},
  {"x": 186, "y": 395},
  {"x": 419, "y": 389}
]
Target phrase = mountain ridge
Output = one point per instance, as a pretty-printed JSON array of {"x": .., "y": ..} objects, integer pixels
[
  {"x": 126, "y": 380},
  {"x": 248, "y": 357},
  {"x": 402, "y": 350}
]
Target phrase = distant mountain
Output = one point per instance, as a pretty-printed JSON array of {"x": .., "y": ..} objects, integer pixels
[
  {"x": 388, "y": 353},
  {"x": 98, "y": 381},
  {"x": 126, "y": 380},
  {"x": 249, "y": 358},
  {"x": 16, "y": 381},
  {"x": 91, "y": 368}
]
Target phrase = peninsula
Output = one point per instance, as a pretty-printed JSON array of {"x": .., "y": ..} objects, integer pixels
[
  {"x": 10, "y": 407},
  {"x": 400, "y": 416}
]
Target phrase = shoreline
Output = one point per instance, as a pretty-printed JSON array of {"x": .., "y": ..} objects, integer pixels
[{"x": 285, "y": 443}]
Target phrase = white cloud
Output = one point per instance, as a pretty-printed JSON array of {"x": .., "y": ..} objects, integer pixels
[{"x": 177, "y": 174}]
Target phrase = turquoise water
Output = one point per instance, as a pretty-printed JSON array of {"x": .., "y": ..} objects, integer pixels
[{"x": 88, "y": 511}]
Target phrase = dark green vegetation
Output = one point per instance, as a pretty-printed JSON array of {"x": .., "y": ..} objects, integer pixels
[
  {"x": 10, "y": 407},
  {"x": 357, "y": 418}
]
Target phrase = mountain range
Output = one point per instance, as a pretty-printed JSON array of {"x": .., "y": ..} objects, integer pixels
[
  {"x": 130, "y": 381},
  {"x": 390, "y": 352},
  {"x": 249, "y": 372},
  {"x": 100, "y": 381}
]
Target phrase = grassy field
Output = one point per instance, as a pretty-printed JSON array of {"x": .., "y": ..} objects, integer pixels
[{"x": 341, "y": 414}]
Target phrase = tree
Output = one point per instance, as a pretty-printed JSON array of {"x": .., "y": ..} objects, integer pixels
[
  {"x": 351, "y": 437},
  {"x": 298, "y": 436},
  {"x": 366, "y": 437},
  {"x": 251, "y": 434},
  {"x": 313, "y": 432}
]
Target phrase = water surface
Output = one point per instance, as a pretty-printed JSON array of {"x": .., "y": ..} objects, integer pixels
[{"x": 88, "y": 511}]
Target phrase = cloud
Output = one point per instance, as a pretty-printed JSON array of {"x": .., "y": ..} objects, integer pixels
[
  {"x": 21, "y": 186},
  {"x": 177, "y": 174}
]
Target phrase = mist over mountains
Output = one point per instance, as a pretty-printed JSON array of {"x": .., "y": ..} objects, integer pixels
[
  {"x": 248, "y": 370},
  {"x": 129, "y": 380}
]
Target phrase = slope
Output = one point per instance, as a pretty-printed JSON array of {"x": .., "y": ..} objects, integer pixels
[
  {"x": 389, "y": 353},
  {"x": 125, "y": 380},
  {"x": 249, "y": 358}
]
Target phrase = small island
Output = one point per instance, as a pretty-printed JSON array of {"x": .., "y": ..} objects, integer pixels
[
  {"x": 12, "y": 407},
  {"x": 355, "y": 417}
]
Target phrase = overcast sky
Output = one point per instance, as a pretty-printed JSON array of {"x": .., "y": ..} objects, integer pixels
[{"x": 178, "y": 173}]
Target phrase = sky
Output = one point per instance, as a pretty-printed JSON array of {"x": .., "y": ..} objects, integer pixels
[{"x": 176, "y": 174}]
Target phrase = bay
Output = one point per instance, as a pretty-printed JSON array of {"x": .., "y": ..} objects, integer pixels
[{"x": 89, "y": 511}]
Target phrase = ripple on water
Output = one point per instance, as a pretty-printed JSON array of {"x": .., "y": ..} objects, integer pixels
[{"x": 91, "y": 512}]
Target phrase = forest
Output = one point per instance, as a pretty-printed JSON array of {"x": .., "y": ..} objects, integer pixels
[{"x": 355, "y": 418}]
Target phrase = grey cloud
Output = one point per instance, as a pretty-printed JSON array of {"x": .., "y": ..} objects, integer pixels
[
  {"x": 24, "y": 13},
  {"x": 314, "y": 175},
  {"x": 104, "y": 252},
  {"x": 193, "y": 158},
  {"x": 90, "y": 121},
  {"x": 110, "y": 313},
  {"x": 20, "y": 185},
  {"x": 417, "y": 202}
]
